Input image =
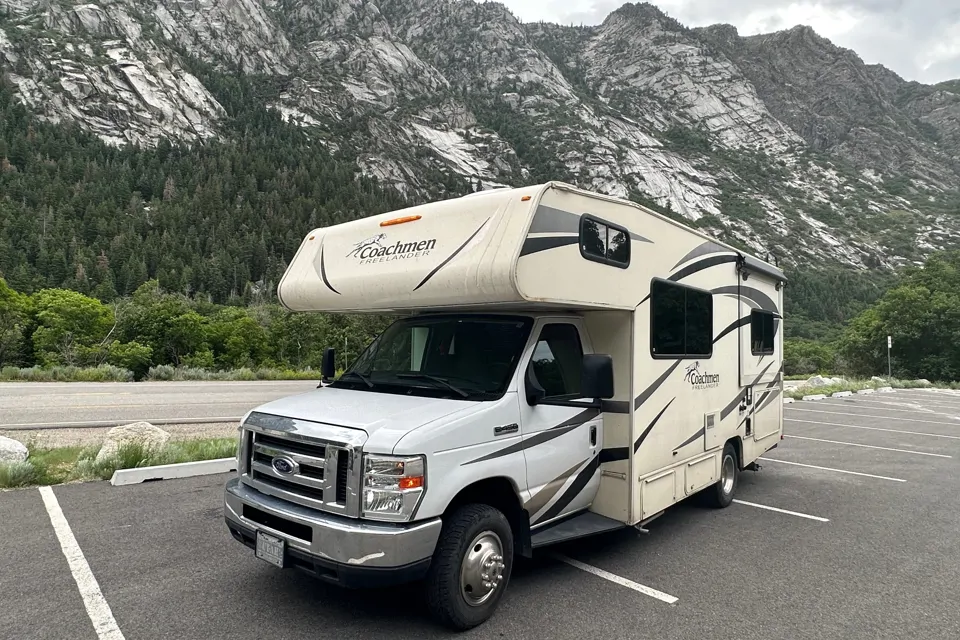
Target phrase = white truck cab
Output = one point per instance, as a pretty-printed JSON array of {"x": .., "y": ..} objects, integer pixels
[{"x": 532, "y": 392}]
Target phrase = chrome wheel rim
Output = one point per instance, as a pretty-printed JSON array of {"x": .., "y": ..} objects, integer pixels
[
  {"x": 726, "y": 475},
  {"x": 481, "y": 571}
]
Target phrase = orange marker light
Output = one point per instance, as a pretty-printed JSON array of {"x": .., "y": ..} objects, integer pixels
[
  {"x": 388, "y": 223},
  {"x": 411, "y": 483},
  {"x": 524, "y": 198},
  {"x": 312, "y": 237}
]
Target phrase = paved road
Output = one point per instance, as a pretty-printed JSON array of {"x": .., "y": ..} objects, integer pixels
[
  {"x": 29, "y": 405},
  {"x": 882, "y": 470}
]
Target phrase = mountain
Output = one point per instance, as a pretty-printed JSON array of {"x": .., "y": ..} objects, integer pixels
[{"x": 783, "y": 143}]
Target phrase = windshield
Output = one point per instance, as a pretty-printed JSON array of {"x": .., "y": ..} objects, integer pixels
[{"x": 463, "y": 357}]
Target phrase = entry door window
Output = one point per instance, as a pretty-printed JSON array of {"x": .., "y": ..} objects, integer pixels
[{"x": 557, "y": 360}]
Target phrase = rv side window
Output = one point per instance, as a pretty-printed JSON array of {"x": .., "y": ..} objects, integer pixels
[
  {"x": 681, "y": 321},
  {"x": 761, "y": 333},
  {"x": 604, "y": 242},
  {"x": 557, "y": 359}
]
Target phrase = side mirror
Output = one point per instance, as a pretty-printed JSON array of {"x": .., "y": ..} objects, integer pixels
[
  {"x": 596, "y": 377},
  {"x": 535, "y": 393},
  {"x": 328, "y": 367}
]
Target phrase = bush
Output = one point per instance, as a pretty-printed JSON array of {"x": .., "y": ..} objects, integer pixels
[{"x": 806, "y": 357}]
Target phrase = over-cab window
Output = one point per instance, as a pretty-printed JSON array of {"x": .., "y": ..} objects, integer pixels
[
  {"x": 762, "y": 333},
  {"x": 602, "y": 241},
  {"x": 681, "y": 321},
  {"x": 557, "y": 359}
]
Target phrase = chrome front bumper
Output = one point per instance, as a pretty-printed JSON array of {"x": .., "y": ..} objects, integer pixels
[{"x": 343, "y": 550}]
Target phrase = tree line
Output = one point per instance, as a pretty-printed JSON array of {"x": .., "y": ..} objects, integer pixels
[
  {"x": 153, "y": 327},
  {"x": 920, "y": 311}
]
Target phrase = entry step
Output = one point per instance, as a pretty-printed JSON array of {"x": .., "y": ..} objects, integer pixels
[{"x": 579, "y": 526}]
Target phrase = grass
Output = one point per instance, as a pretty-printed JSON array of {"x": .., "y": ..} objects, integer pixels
[{"x": 46, "y": 466}]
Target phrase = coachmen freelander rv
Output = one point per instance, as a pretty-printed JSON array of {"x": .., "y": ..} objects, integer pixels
[{"x": 567, "y": 364}]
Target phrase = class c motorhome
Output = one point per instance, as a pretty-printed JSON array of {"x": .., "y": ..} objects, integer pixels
[{"x": 567, "y": 364}]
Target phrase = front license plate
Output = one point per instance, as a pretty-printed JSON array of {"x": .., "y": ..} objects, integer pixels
[{"x": 270, "y": 548}]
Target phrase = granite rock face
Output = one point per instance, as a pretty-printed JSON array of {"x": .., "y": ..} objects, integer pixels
[{"x": 781, "y": 143}]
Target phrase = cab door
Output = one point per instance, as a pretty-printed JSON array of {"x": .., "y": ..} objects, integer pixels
[{"x": 561, "y": 443}]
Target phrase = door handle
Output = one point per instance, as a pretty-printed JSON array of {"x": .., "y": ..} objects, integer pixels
[{"x": 593, "y": 436}]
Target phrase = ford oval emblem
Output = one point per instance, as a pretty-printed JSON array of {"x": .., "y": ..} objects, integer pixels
[{"x": 284, "y": 465}]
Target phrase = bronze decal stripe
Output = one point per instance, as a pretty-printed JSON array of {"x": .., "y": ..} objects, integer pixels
[
  {"x": 536, "y": 245},
  {"x": 700, "y": 265},
  {"x": 692, "y": 439},
  {"x": 646, "y": 432},
  {"x": 581, "y": 481},
  {"x": 323, "y": 273},
  {"x": 643, "y": 397},
  {"x": 704, "y": 249},
  {"x": 542, "y": 497},
  {"x": 541, "y": 436},
  {"x": 736, "y": 324},
  {"x": 452, "y": 255}
]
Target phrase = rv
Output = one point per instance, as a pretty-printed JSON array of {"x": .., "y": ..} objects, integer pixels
[{"x": 565, "y": 364}]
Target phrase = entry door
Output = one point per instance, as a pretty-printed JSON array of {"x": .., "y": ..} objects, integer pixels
[
  {"x": 760, "y": 365},
  {"x": 562, "y": 443}
]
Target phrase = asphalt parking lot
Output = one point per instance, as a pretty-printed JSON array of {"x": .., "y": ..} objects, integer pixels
[{"x": 861, "y": 539}]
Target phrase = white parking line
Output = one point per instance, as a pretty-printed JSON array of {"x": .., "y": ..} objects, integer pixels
[
  {"x": 789, "y": 513},
  {"x": 907, "y": 407},
  {"x": 854, "y": 426},
  {"x": 624, "y": 582},
  {"x": 97, "y": 608},
  {"x": 864, "y": 415},
  {"x": 813, "y": 466},
  {"x": 870, "y": 446}
]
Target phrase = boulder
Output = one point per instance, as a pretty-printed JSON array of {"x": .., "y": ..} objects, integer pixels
[
  {"x": 12, "y": 450},
  {"x": 152, "y": 438}
]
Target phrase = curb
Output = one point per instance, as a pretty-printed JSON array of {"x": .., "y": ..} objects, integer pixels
[
  {"x": 842, "y": 394},
  {"x": 99, "y": 424},
  {"x": 171, "y": 471},
  {"x": 818, "y": 396}
]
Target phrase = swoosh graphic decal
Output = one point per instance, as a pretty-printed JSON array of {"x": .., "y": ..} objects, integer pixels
[
  {"x": 649, "y": 391},
  {"x": 702, "y": 250},
  {"x": 692, "y": 439},
  {"x": 736, "y": 324},
  {"x": 323, "y": 273},
  {"x": 541, "y": 436},
  {"x": 646, "y": 432},
  {"x": 536, "y": 245},
  {"x": 700, "y": 265},
  {"x": 759, "y": 297},
  {"x": 572, "y": 491},
  {"x": 452, "y": 255},
  {"x": 542, "y": 497}
]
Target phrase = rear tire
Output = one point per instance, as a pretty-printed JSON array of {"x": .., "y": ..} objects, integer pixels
[
  {"x": 471, "y": 566},
  {"x": 720, "y": 495}
]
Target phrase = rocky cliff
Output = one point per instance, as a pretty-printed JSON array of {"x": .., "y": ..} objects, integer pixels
[{"x": 781, "y": 143}]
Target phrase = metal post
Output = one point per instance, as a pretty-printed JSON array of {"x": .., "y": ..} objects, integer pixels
[{"x": 889, "y": 345}]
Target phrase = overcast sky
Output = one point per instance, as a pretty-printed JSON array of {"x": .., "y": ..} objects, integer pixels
[{"x": 919, "y": 39}]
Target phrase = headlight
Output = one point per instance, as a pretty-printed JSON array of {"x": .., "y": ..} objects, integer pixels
[{"x": 392, "y": 486}]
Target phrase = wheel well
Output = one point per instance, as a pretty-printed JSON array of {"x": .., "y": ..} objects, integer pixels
[
  {"x": 500, "y": 494},
  {"x": 738, "y": 448}
]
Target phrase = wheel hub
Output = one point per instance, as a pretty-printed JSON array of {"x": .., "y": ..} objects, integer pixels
[
  {"x": 727, "y": 473},
  {"x": 481, "y": 571}
]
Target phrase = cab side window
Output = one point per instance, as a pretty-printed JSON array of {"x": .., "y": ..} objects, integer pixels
[{"x": 557, "y": 360}]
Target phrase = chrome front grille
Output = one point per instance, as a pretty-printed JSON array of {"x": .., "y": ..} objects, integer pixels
[{"x": 311, "y": 464}]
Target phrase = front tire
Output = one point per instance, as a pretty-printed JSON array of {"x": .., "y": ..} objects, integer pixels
[
  {"x": 720, "y": 495},
  {"x": 471, "y": 566}
]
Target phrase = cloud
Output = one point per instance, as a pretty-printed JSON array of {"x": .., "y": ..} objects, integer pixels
[{"x": 918, "y": 39}]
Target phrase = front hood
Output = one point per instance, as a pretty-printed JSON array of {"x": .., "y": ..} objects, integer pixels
[{"x": 385, "y": 417}]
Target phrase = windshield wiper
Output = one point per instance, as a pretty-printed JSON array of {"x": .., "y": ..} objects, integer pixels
[
  {"x": 362, "y": 377},
  {"x": 427, "y": 376}
]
